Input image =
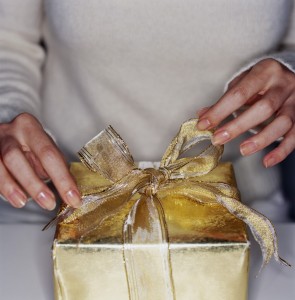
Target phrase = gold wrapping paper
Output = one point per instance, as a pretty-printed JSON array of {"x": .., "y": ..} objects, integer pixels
[
  {"x": 208, "y": 249},
  {"x": 162, "y": 222}
]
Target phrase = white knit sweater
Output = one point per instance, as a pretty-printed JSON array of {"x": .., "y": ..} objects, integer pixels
[{"x": 142, "y": 66}]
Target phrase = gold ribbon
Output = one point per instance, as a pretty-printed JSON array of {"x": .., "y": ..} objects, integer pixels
[{"x": 145, "y": 234}]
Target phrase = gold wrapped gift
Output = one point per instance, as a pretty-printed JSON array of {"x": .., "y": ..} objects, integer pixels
[
  {"x": 208, "y": 250},
  {"x": 156, "y": 234}
]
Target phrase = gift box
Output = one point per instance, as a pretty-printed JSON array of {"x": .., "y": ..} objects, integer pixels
[
  {"x": 176, "y": 232},
  {"x": 208, "y": 249}
]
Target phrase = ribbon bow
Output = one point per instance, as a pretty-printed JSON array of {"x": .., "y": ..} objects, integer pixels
[{"x": 145, "y": 223}]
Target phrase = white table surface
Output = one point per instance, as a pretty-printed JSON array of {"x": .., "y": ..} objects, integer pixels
[{"x": 26, "y": 267}]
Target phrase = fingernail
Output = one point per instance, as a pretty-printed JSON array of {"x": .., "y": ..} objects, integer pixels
[
  {"x": 46, "y": 201},
  {"x": 17, "y": 199},
  {"x": 248, "y": 148},
  {"x": 73, "y": 198},
  {"x": 203, "y": 124},
  {"x": 270, "y": 162},
  {"x": 220, "y": 137}
]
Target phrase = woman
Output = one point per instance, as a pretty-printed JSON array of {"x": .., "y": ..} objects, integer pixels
[{"x": 143, "y": 67}]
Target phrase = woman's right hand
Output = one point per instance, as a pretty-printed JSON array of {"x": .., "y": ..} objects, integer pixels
[{"x": 28, "y": 156}]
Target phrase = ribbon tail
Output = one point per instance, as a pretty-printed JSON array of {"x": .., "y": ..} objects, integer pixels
[
  {"x": 261, "y": 228},
  {"x": 99, "y": 208},
  {"x": 146, "y": 251},
  {"x": 90, "y": 203},
  {"x": 59, "y": 218},
  {"x": 115, "y": 196}
]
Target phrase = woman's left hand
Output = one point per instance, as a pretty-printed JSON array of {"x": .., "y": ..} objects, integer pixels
[{"x": 269, "y": 88}]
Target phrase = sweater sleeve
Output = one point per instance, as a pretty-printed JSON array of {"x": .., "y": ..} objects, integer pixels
[
  {"x": 286, "y": 56},
  {"x": 21, "y": 57}
]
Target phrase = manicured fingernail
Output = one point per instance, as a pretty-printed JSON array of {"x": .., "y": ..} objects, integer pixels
[
  {"x": 46, "y": 201},
  {"x": 17, "y": 199},
  {"x": 73, "y": 198},
  {"x": 220, "y": 137},
  {"x": 203, "y": 124},
  {"x": 270, "y": 162},
  {"x": 248, "y": 148}
]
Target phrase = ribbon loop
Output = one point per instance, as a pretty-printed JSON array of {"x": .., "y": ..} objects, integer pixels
[
  {"x": 108, "y": 155},
  {"x": 187, "y": 137},
  {"x": 145, "y": 224}
]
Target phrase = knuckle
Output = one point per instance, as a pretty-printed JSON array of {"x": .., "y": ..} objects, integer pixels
[
  {"x": 235, "y": 129},
  {"x": 6, "y": 189},
  {"x": 47, "y": 152},
  {"x": 23, "y": 118},
  {"x": 3, "y": 128},
  {"x": 64, "y": 181},
  {"x": 25, "y": 121},
  {"x": 67, "y": 183},
  {"x": 271, "y": 65},
  {"x": 266, "y": 106},
  {"x": 9, "y": 155},
  {"x": 4, "y": 185},
  {"x": 281, "y": 153},
  {"x": 261, "y": 141},
  {"x": 285, "y": 148},
  {"x": 240, "y": 91},
  {"x": 287, "y": 121},
  {"x": 33, "y": 187},
  {"x": 259, "y": 74}
]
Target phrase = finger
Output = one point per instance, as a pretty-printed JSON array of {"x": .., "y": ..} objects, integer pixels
[
  {"x": 19, "y": 167},
  {"x": 55, "y": 166},
  {"x": 276, "y": 129},
  {"x": 237, "y": 79},
  {"x": 255, "y": 115},
  {"x": 36, "y": 165},
  {"x": 288, "y": 108},
  {"x": 201, "y": 111},
  {"x": 282, "y": 151},
  {"x": 234, "y": 98},
  {"x": 10, "y": 189}
]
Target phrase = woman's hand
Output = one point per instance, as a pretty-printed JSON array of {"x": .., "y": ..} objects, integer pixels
[
  {"x": 269, "y": 88},
  {"x": 27, "y": 157}
]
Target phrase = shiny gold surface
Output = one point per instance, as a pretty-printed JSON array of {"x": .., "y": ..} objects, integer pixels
[
  {"x": 171, "y": 233},
  {"x": 200, "y": 271},
  {"x": 185, "y": 218},
  {"x": 208, "y": 249},
  {"x": 178, "y": 177},
  {"x": 176, "y": 232}
]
